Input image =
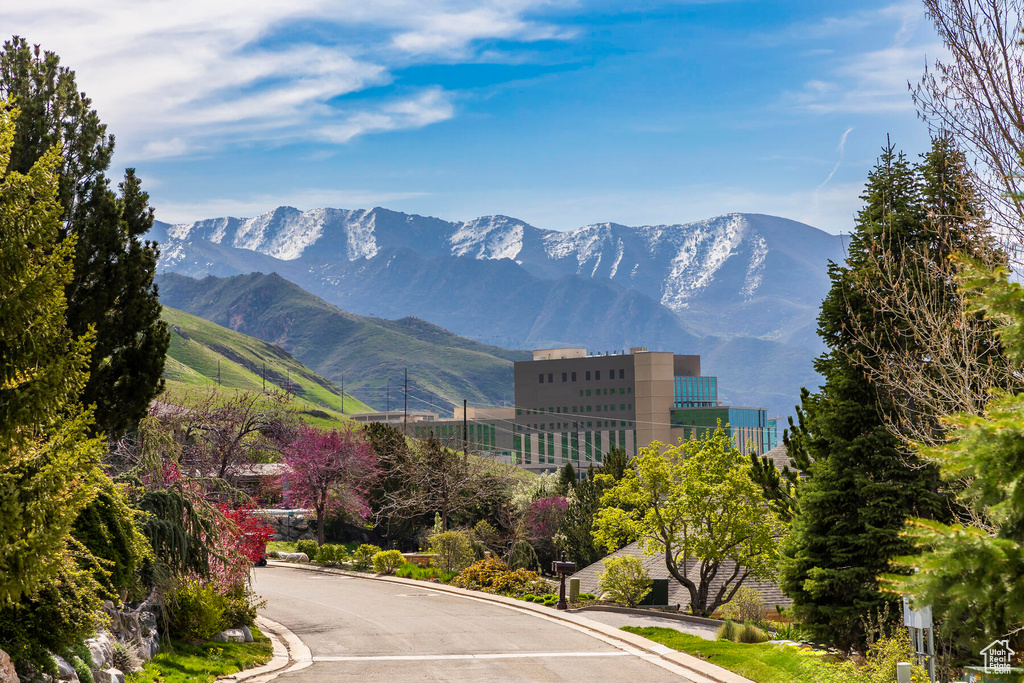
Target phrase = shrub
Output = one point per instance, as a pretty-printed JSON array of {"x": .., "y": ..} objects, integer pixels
[
  {"x": 330, "y": 554},
  {"x": 746, "y": 605},
  {"x": 883, "y": 655},
  {"x": 387, "y": 561},
  {"x": 240, "y": 607},
  {"x": 362, "y": 557},
  {"x": 124, "y": 657},
  {"x": 788, "y": 632},
  {"x": 523, "y": 556},
  {"x": 83, "y": 670},
  {"x": 412, "y": 571},
  {"x": 625, "y": 580},
  {"x": 308, "y": 546},
  {"x": 454, "y": 550},
  {"x": 727, "y": 631},
  {"x": 195, "y": 613},
  {"x": 491, "y": 575},
  {"x": 752, "y": 634}
]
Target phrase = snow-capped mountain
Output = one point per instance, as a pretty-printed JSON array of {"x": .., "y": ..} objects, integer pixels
[{"x": 500, "y": 280}]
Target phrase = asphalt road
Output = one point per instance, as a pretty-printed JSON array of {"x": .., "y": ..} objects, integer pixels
[{"x": 361, "y": 629}]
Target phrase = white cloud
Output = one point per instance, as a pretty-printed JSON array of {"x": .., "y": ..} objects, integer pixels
[{"x": 173, "y": 77}]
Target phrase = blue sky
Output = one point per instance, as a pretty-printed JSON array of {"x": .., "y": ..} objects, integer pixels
[{"x": 559, "y": 113}]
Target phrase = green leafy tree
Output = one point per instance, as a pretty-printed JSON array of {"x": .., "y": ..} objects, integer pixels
[
  {"x": 48, "y": 465},
  {"x": 625, "y": 580},
  {"x": 971, "y": 574},
  {"x": 111, "y": 290},
  {"x": 696, "y": 504},
  {"x": 861, "y": 483}
]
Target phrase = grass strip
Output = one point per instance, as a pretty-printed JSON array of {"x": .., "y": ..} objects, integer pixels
[
  {"x": 184, "y": 663},
  {"x": 760, "y": 662}
]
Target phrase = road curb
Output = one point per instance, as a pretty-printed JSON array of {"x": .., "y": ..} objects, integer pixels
[
  {"x": 290, "y": 654},
  {"x": 707, "y": 672},
  {"x": 675, "y": 616}
]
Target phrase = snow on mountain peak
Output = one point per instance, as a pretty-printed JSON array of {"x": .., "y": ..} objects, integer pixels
[{"x": 488, "y": 237}]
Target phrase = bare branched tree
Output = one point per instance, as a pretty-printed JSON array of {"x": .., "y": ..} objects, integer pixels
[
  {"x": 978, "y": 97},
  {"x": 439, "y": 479}
]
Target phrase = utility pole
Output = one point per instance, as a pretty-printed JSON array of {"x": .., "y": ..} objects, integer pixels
[
  {"x": 343, "y": 393},
  {"x": 389, "y": 396},
  {"x": 405, "y": 417},
  {"x": 465, "y": 432}
]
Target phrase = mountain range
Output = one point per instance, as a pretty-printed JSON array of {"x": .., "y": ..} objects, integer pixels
[{"x": 742, "y": 290}]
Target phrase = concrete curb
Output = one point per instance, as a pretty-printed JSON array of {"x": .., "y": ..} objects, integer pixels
[
  {"x": 704, "y": 671},
  {"x": 677, "y": 616},
  {"x": 290, "y": 654}
]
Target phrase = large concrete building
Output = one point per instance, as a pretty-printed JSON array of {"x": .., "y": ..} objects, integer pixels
[{"x": 571, "y": 406}]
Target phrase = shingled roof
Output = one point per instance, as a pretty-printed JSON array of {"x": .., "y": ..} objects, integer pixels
[{"x": 677, "y": 593}]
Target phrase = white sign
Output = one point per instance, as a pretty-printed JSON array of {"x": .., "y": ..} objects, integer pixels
[{"x": 916, "y": 618}]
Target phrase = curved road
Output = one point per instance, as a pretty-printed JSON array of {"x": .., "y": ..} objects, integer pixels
[{"x": 361, "y": 629}]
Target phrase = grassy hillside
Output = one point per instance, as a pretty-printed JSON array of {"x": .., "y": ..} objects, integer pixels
[
  {"x": 200, "y": 350},
  {"x": 366, "y": 352}
]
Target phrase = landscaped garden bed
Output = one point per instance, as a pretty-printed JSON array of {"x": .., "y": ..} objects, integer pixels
[{"x": 184, "y": 663}]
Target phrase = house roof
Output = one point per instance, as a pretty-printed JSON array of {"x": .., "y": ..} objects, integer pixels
[{"x": 770, "y": 592}]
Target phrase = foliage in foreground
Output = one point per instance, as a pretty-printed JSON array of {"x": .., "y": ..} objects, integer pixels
[{"x": 186, "y": 663}]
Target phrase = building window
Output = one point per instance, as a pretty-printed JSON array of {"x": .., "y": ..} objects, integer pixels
[
  {"x": 574, "y": 377},
  {"x": 565, "y": 376},
  {"x": 581, "y": 392},
  {"x": 630, "y": 406},
  {"x": 541, "y": 377},
  {"x": 597, "y": 375},
  {"x": 622, "y": 374},
  {"x": 565, "y": 409},
  {"x": 588, "y": 409},
  {"x": 519, "y": 411},
  {"x": 588, "y": 392},
  {"x": 551, "y": 377},
  {"x": 629, "y": 390},
  {"x": 588, "y": 375}
]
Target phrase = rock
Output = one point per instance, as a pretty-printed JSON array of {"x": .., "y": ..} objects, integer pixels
[
  {"x": 248, "y": 634},
  {"x": 107, "y": 676},
  {"x": 295, "y": 557},
  {"x": 64, "y": 669},
  {"x": 100, "y": 649},
  {"x": 7, "y": 672},
  {"x": 230, "y": 635}
]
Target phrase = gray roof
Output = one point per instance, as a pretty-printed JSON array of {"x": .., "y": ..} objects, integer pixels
[
  {"x": 780, "y": 456},
  {"x": 677, "y": 593}
]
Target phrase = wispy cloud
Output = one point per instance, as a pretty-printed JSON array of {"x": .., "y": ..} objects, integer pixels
[
  {"x": 841, "y": 148},
  {"x": 175, "y": 77},
  {"x": 872, "y": 80}
]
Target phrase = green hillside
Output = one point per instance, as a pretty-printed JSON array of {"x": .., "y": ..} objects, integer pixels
[
  {"x": 365, "y": 352},
  {"x": 202, "y": 352}
]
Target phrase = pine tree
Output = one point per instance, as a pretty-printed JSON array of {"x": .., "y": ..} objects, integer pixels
[
  {"x": 48, "y": 465},
  {"x": 862, "y": 486},
  {"x": 112, "y": 288},
  {"x": 566, "y": 479}
]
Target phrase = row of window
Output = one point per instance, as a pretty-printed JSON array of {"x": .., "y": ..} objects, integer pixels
[
  {"x": 599, "y": 424},
  {"x": 605, "y": 408},
  {"x": 589, "y": 448},
  {"x": 477, "y": 434},
  {"x": 571, "y": 376}
]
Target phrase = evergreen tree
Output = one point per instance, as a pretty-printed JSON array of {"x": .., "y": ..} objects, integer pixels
[
  {"x": 862, "y": 486},
  {"x": 112, "y": 288},
  {"x": 48, "y": 465},
  {"x": 566, "y": 480}
]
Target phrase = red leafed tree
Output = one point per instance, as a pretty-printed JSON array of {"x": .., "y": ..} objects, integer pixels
[
  {"x": 330, "y": 472},
  {"x": 541, "y": 522},
  {"x": 242, "y": 540}
]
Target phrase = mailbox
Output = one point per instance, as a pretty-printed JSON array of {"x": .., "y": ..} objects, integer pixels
[{"x": 562, "y": 569}]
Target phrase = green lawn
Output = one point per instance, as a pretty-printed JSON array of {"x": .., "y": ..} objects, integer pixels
[
  {"x": 763, "y": 662},
  {"x": 206, "y": 662}
]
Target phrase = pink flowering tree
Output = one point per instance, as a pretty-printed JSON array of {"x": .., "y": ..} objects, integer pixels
[
  {"x": 329, "y": 472},
  {"x": 541, "y": 523}
]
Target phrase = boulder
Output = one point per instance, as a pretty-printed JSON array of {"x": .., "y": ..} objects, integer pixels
[
  {"x": 7, "y": 672},
  {"x": 248, "y": 634},
  {"x": 107, "y": 676},
  {"x": 100, "y": 649},
  {"x": 65, "y": 671},
  {"x": 295, "y": 557},
  {"x": 230, "y": 635}
]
